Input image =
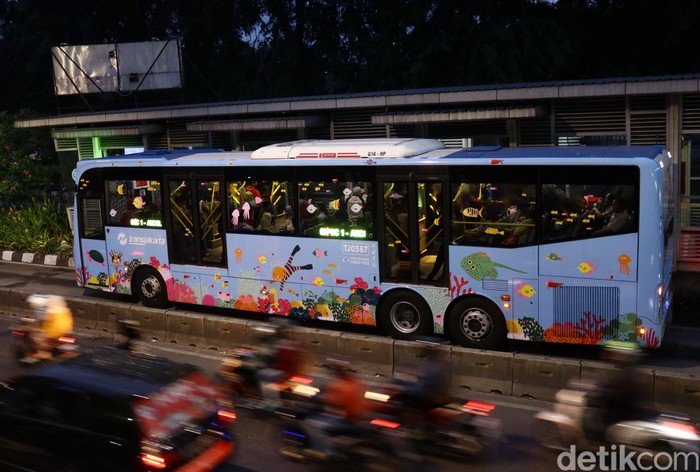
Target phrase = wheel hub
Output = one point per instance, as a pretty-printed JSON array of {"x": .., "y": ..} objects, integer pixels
[{"x": 476, "y": 324}]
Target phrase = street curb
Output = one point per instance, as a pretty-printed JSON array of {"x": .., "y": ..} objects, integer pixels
[{"x": 36, "y": 258}]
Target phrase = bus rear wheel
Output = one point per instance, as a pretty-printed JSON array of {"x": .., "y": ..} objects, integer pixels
[
  {"x": 405, "y": 315},
  {"x": 151, "y": 289},
  {"x": 476, "y": 323}
]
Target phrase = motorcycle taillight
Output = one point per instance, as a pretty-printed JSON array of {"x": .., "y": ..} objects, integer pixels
[{"x": 478, "y": 408}]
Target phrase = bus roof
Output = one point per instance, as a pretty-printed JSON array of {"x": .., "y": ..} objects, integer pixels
[{"x": 348, "y": 148}]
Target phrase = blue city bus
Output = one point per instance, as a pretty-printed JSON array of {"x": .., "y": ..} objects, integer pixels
[{"x": 552, "y": 244}]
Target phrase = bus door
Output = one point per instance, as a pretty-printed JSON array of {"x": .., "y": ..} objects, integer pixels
[
  {"x": 413, "y": 229},
  {"x": 196, "y": 235},
  {"x": 90, "y": 251}
]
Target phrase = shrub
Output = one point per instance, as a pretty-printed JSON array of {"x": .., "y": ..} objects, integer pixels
[{"x": 41, "y": 227}]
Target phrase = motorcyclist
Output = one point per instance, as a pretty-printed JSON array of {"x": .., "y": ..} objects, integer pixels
[
  {"x": 616, "y": 398},
  {"x": 55, "y": 320},
  {"x": 129, "y": 330},
  {"x": 344, "y": 405},
  {"x": 428, "y": 386},
  {"x": 279, "y": 358}
]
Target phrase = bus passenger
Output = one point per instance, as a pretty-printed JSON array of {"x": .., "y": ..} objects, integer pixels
[
  {"x": 619, "y": 220},
  {"x": 266, "y": 224}
]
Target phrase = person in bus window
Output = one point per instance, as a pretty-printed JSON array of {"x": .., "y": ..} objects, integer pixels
[{"x": 619, "y": 220}]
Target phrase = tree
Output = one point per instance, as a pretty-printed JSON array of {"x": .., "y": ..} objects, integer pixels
[{"x": 29, "y": 164}]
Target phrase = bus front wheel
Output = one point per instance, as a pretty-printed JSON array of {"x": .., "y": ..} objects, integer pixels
[
  {"x": 151, "y": 289},
  {"x": 405, "y": 315},
  {"x": 476, "y": 323}
]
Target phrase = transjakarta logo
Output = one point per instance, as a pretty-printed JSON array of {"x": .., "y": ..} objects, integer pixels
[
  {"x": 621, "y": 459},
  {"x": 139, "y": 240}
]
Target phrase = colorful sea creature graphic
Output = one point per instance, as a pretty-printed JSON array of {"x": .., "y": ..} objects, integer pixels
[
  {"x": 340, "y": 281},
  {"x": 239, "y": 254},
  {"x": 262, "y": 258},
  {"x": 138, "y": 203},
  {"x": 327, "y": 272},
  {"x": 317, "y": 281},
  {"x": 553, "y": 284},
  {"x": 246, "y": 210},
  {"x": 95, "y": 255},
  {"x": 479, "y": 266},
  {"x": 586, "y": 267},
  {"x": 120, "y": 189},
  {"x": 525, "y": 290},
  {"x": 217, "y": 276},
  {"x": 332, "y": 266},
  {"x": 281, "y": 274},
  {"x": 320, "y": 253},
  {"x": 235, "y": 214},
  {"x": 116, "y": 257},
  {"x": 624, "y": 261},
  {"x": 292, "y": 292},
  {"x": 494, "y": 231},
  {"x": 553, "y": 256},
  {"x": 224, "y": 283}
]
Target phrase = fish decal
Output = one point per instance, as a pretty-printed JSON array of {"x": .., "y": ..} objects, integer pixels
[
  {"x": 281, "y": 274},
  {"x": 326, "y": 271},
  {"x": 553, "y": 256},
  {"x": 525, "y": 290},
  {"x": 494, "y": 231},
  {"x": 340, "y": 281},
  {"x": 120, "y": 189},
  {"x": 332, "y": 266},
  {"x": 480, "y": 266},
  {"x": 292, "y": 292},
  {"x": 138, "y": 203},
  {"x": 586, "y": 267},
  {"x": 317, "y": 281},
  {"x": 224, "y": 283},
  {"x": 319, "y": 253},
  {"x": 553, "y": 284},
  {"x": 262, "y": 258},
  {"x": 217, "y": 276}
]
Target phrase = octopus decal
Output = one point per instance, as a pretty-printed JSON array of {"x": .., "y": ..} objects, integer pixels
[{"x": 281, "y": 274}]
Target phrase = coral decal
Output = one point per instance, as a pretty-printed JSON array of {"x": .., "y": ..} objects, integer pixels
[
  {"x": 649, "y": 339},
  {"x": 532, "y": 329},
  {"x": 456, "y": 286}
]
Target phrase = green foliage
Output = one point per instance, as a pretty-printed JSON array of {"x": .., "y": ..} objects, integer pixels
[
  {"x": 27, "y": 159},
  {"x": 39, "y": 228}
]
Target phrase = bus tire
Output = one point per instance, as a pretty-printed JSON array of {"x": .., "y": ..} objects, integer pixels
[
  {"x": 476, "y": 323},
  {"x": 151, "y": 289},
  {"x": 405, "y": 315}
]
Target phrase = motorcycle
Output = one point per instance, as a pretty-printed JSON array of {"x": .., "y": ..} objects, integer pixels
[
  {"x": 25, "y": 347},
  {"x": 568, "y": 424},
  {"x": 237, "y": 374},
  {"x": 447, "y": 428},
  {"x": 365, "y": 446}
]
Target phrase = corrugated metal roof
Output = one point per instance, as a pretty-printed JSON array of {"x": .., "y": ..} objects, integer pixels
[{"x": 453, "y": 94}]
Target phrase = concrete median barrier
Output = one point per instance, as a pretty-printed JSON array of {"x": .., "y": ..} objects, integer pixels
[
  {"x": 152, "y": 324},
  {"x": 186, "y": 329},
  {"x": 18, "y": 302},
  {"x": 319, "y": 343},
  {"x": 225, "y": 334},
  {"x": 107, "y": 313},
  {"x": 5, "y": 303},
  {"x": 84, "y": 313},
  {"x": 482, "y": 371},
  {"x": 677, "y": 392},
  {"x": 408, "y": 356},
  {"x": 371, "y": 355},
  {"x": 541, "y": 377}
]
